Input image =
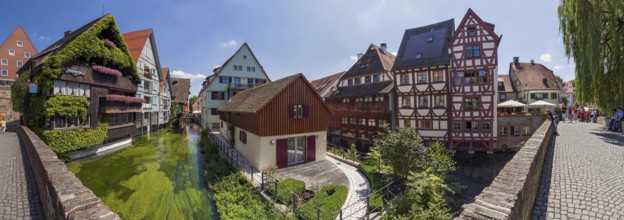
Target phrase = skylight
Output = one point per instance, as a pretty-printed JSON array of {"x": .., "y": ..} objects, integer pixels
[
  {"x": 430, "y": 39},
  {"x": 419, "y": 55}
]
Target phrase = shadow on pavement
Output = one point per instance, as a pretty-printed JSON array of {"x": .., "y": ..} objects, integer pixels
[
  {"x": 541, "y": 200},
  {"x": 616, "y": 138}
]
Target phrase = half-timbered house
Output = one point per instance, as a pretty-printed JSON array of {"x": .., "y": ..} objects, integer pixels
[
  {"x": 473, "y": 85},
  {"x": 364, "y": 100},
  {"x": 421, "y": 80},
  {"x": 278, "y": 124}
]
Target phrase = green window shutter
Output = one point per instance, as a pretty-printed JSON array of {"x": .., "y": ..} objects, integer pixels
[
  {"x": 532, "y": 95},
  {"x": 553, "y": 95}
]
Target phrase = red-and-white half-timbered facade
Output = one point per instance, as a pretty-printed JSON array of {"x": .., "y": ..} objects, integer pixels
[
  {"x": 421, "y": 80},
  {"x": 473, "y": 85}
]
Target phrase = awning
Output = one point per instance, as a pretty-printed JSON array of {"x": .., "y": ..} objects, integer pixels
[
  {"x": 511, "y": 104},
  {"x": 541, "y": 103}
]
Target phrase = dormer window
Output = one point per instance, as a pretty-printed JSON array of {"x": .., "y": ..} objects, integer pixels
[
  {"x": 430, "y": 39},
  {"x": 472, "y": 31},
  {"x": 418, "y": 55}
]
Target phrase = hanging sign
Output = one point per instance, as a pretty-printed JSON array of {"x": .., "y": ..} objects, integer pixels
[{"x": 75, "y": 70}]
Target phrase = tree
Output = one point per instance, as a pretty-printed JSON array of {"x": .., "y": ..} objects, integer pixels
[
  {"x": 593, "y": 36},
  {"x": 403, "y": 151},
  {"x": 559, "y": 79},
  {"x": 424, "y": 198},
  {"x": 193, "y": 99}
]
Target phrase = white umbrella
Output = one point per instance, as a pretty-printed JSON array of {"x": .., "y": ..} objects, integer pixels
[
  {"x": 511, "y": 104},
  {"x": 541, "y": 103}
]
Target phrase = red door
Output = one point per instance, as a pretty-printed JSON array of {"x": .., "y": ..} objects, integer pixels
[
  {"x": 311, "y": 149},
  {"x": 281, "y": 153}
]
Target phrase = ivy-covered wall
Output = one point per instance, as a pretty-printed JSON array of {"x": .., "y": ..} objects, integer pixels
[{"x": 62, "y": 142}]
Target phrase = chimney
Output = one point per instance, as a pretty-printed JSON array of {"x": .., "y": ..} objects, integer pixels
[
  {"x": 516, "y": 59},
  {"x": 67, "y": 33},
  {"x": 360, "y": 55},
  {"x": 532, "y": 63},
  {"x": 383, "y": 47}
]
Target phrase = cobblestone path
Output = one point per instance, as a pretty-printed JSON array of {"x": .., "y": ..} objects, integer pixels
[
  {"x": 583, "y": 175},
  {"x": 354, "y": 206},
  {"x": 19, "y": 198}
]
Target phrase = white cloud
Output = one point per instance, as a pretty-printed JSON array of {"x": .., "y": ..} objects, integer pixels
[
  {"x": 192, "y": 76},
  {"x": 231, "y": 43},
  {"x": 40, "y": 37},
  {"x": 546, "y": 57},
  {"x": 394, "y": 53},
  {"x": 354, "y": 57},
  {"x": 557, "y": 67}
]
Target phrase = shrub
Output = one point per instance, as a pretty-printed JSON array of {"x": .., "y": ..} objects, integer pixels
[
  {"x": 285, "y": 188},
  {"x": 236, "y": 199},
  {"x": 330, "y": 200},
  {"x": 67, "y": 106},
  {"x": 62, "y": 142}
]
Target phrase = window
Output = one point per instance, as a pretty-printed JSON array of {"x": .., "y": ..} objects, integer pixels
[
  {"x": 27, "y": 55},
  {"x": 225, "y": 79},
  {"x": 215, "y": 125},
  {"x": 553, "y": 95},
  {"x": 457, "y": 126},
  {"x": 472, "y": 126},
  {"x": 406, "y": 102},
  {"x": 368, "y": 98},
  {"x": 515, "y": 130},
  {"x": 71, "y": 88},
  {"x": 471, "y": 104},
  {"x": 5, "y": 62},
  {"x": 457, "y": 79},
  {"x": 526, "y": 130},
  {"x": 437, "y": 76},
  {"x": 379, "y": 98},
  {"x": 248, "y": 69},
  {"x": 470, "y": 78},
  {"x": 377, "y": 78},
  {"x": 502, "y": 131},
  {"x": 237, "y": 81},
  {"x": 407, "y": 123},
  {"x": 357, "y": 81},
  {"x": 345, "y": 120},
  {"x": 345, "y": 100},
  {"x": 244, "y": 56},
  {"x": 472, "y": 31},
  {"x": 20, "y": 44},
  {"x": 218, "y": 95},
  {"x": 381, "y": 123},
  {"x": 11, "y": 52},
  {"x": 485, "y": 126},
  {"x": 358, "y": 99},
  {"x": 421, "y": 77},
  {"x": 404, "y": 79},
  {"x": 472, "y": 51},
  {"x": 502, "y": 97},
  {"x": 361, "y": 121},
  {"x": 483, "y": 77},
  {"x": 352, "y": 121},
  {"x": 298, "y": 111},
  {"x": 372, "y": 123},
  {"x": 121, "y": 118},
  {"x": 238, "y": 67},
  {"x": 242, "y": 136},
  {"x": 367, "y": 79},
  {"x": 424, "y": 124},
  {"x": 213, "y": 111},
  {"x": 418, "y": 55},
  {"x": 423, "y": 101},
  {"x": 439, "y": 101},
  {"x": 539, "y": 96},
  {"x": 5, "y": 72},
  {"x": 430, "y": 39},
  {"x": 253, "y": 69},
  {"x": 350, "y": 82}
]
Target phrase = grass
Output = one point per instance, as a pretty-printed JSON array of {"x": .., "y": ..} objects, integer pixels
[{"x": 330, "y": 199}]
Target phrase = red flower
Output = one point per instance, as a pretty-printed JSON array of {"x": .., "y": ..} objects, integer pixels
[
  {"x": 124, "y": 99},
  {"x": 109, "y": 43},
  {"x": 106, "y": 70}
]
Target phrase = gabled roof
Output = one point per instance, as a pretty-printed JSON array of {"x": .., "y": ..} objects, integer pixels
[
  {"x": 164, "y": 78},
  {"x": 181, "y": 89},
  {"x": 136, "y": 42},
  {"x": 219, "y": 69},
  {"x": 323, "y": 84},
  {"x": 507, "y": 85},
  {"x": 489, "y": 27},
  {"x": 374, "y": 61},
  {"x": 19, "y": 31},
  {"x": 534, "y": 76},
  {"x": 364, "y": 89},
  {"x": 425, "y": 46}
]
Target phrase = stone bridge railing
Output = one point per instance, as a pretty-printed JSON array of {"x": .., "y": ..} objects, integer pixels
[
  {"x": 512, "y": 193},
  {"x": 62, "y": 194}
]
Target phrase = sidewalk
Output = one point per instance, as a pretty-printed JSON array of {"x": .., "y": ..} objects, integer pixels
[{"x": 359, "y": 188}]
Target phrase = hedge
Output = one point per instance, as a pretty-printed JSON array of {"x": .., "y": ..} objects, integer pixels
[
  {"x": 285, "y": 188},
  {"x": 330, "y": 200},
  {"x": 62, "y": 142}
]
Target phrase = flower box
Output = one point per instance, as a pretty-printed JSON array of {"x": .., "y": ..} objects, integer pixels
[
  {"x": 124, "y": 99},
  {"x": 106, "y": 70},
  {"x": 109, "y": 43}
]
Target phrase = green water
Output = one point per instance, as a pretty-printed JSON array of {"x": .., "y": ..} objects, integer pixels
[{"x": 158, "y": 177}]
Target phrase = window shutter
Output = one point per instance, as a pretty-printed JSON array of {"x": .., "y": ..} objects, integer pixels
[
  {"x": 533, "y": 95},
  {"x": 291, "y": 112},
  {"x": 306, "y": 111},
  {"x": 311, "y": 149},
  {"x": 281, "y": 153}
]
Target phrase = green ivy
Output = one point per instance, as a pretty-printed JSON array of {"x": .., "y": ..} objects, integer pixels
[
  {"x": 67, "y": 106},
  {"x": 19, "y": 90},
  {"x": 62, "y": 142},
  {"x": 89, "y": 47}
]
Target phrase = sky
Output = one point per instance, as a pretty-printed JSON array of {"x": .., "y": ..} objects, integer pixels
[{"x": 317, "y": 38}]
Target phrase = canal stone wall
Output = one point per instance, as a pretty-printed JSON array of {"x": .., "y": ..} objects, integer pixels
[
  {"x": 62, "y": 194},
  {"x": 512, "y": 193}
]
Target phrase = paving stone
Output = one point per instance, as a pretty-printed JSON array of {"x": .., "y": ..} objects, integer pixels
[{"x": 582, "y": 174}]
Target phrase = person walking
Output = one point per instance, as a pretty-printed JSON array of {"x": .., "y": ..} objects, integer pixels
[
  {"x": 3, "y": 125},
  {"x": 553, "y": 121}
]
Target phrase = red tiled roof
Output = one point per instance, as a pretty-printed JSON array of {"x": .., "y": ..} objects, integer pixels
[
  {"x": 181, "y": 89},
  {"x": 165, "y": 73},
  {"x": 136, "y": 41},
  {"x": 534, "y": 76},
  {"x": 322, "y": 84}
]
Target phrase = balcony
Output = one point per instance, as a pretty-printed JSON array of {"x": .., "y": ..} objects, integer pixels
[
  {"x": 118, "y": 107},
  {"x": 147, "y": 105}
]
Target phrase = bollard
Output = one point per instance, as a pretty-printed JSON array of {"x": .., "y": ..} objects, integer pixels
[
  {"x": 341, "y": 214},
  {"x": 294, "y": 202},
  {"x": 275, "y": 183},
  {"x": 262, "y": 185},
  {"x": 367, "y": 205},
  {"x": 318, "y": 213}
]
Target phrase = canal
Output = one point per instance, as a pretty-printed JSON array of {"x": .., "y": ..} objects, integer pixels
[{"x": 158, "y": 177}]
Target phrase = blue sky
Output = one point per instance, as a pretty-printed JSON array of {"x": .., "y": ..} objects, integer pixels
[{"x": 317, "y": 38}]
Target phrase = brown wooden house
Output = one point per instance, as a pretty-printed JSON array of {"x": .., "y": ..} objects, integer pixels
[
  {"x": 473, "y": 85},
  {"x": 363, "y": 101},
  {"x": 109, "y": 89},
  {"x": 278, "y": 124}
]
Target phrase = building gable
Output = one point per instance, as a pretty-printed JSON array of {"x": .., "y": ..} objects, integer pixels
[
  {"x": 14, "y": 55},
  {"x": 247, "y": 64}
]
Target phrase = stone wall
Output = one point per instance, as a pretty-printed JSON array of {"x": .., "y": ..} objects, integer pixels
[
  {"x": 62, "y": 194},
  {"x": 6, "y": 107},
  {"x": 509, "y": 141},
  {"x": 512, "y": 193}
]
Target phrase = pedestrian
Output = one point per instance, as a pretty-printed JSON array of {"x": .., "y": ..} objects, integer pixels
[
  {"x": 553, "y": 121},
  {"x": 3, "y": 125}
]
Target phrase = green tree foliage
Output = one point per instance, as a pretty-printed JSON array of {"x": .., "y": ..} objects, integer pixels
[
  {"x": 424, "y": 199},
  {"x": 594, "y": 37},
  {"x": 193, "y": 99},
  {"x": 19, "y": 91},
  {"x": 439, "y": 160},
  {"x": 67, "y": 106},
  {"x": 285, "y": 188},
  {"x": 329, "y": 199},
  {"x": 559, "y": 79},
  {"x": 62, "y": 142},
  {"x": 403, "y": 151}
]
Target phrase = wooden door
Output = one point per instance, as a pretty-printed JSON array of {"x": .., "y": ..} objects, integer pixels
[
  {"x": 311, "y": 148},
  {"x": 281, "y": 153}
]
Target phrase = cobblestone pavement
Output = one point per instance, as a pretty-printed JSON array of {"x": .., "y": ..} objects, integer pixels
[
  {"x": 359, "y": 188},
  {"x": 18, "y": 192},
  {"x": 583, "y": 175}
]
